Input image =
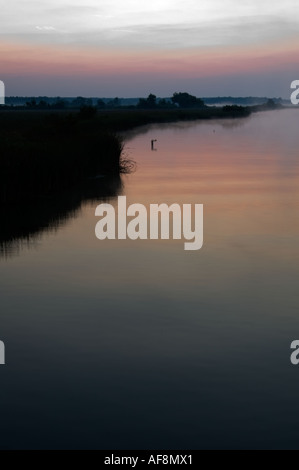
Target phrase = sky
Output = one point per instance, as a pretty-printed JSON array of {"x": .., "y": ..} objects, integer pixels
[{"x": 131, "y": 48}]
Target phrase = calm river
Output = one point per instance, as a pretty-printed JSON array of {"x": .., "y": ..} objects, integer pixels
[{"x": 140, "y": 344}]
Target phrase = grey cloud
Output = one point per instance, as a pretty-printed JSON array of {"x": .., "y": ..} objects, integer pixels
[
  {"x": 45, "y": 28},
  {"x": 244, "y": 31},
  {"x": 94, "y": 24}
]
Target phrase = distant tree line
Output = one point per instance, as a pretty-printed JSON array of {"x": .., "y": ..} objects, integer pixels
[
  {"x": 77, "y": 103},
  {"x": 178, "y": 100},
  {"x": 241, "y": 101},
  {"x": 181, "y": 100}
]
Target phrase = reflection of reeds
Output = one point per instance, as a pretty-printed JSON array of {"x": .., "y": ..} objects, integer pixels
[
  {"x": 22, "y": 224},
  {"x": 127, "y": 165}
]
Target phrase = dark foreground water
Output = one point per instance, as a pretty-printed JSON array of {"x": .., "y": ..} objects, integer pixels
[{"x": 140, "y": 344}]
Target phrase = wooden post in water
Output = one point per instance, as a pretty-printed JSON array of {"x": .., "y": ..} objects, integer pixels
[{"x": 153, "y": 145}]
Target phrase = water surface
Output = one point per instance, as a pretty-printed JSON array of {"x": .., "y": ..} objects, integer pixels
[{"x": 140, "y": 344}]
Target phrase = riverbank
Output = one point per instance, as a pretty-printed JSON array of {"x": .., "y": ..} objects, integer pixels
[
  {"x": 128, "y": 119},
  {"x": 45, "y": 152}
]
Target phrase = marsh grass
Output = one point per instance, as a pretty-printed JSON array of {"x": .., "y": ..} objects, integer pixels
[
  {"x": 42, "y": 155},
  {"x": 127, "y": 119}
]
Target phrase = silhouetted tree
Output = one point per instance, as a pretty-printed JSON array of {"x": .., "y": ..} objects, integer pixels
[
  {"x": 163, "y": 103},
  {"x": 271, "y": 104},
  {"x": 152, "y": 101},
  {"x": 184, "y": 100},
  {"x": 116, "y": 103},
  {"x": 149, "y": 103}
]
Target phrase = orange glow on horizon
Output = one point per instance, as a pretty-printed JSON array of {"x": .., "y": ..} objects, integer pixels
[{"x": 28, "y": 59}]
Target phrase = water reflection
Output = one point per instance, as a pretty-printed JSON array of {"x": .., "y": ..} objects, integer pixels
[
  {"x": 118, "y": 343},
  {"x": 188, "y": 125},
  {"x": 23, "y": 224}
]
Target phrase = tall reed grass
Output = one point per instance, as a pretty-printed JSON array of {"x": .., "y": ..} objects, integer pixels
[{"x": 42, "y": 156}]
